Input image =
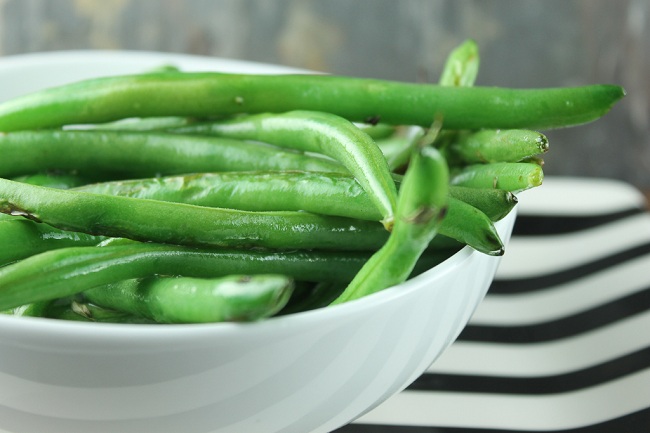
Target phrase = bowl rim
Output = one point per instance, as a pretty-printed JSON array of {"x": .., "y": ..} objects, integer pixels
[{"x": 44, "y": 327}]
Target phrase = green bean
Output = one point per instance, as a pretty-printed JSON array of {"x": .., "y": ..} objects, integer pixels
[
  {"x": 52, "y": 180},
  {"x": 138, "y": 154},
  {"x": 322, "y": 193},
  {"x": 421, "y": 207},
  {"x": 67, "y": 271},
  {"x": 495, "y": 203},
  {"x": 20, "y": 238},
  {"x": 234, "y": 298},
  {"x": 485, "y": 146},
  {"x": 179, "y": 223},
  {"x": 317, "y": 192},
  {"x": 207, "y": 94},
  {"x": 471, "y": 227},
  {"x": 318, "y": 132},
  {"x": 461, "y": 66},
  {"x": 508, "y": 176}
]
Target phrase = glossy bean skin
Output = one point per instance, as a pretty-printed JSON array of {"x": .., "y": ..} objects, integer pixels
[
  {"x": 472, "y": 227},
  {"x": 508, "y": 176},
  {"x": 207, "y": 94},
  {"x": 486, "y": 146},
  {"x": 233, "y": 298},
  {"x": 495, "y": 203},
  {"x": 322, "y": 193},
  {"x": 52, "y": 180},
  {"x": 317, "y": 132},
  {"x": 110, "y": 154},
  {"x": 422, "y": 204},
  {"x": 20, "y": 238},
  {"x": 67, "y": 271},
  {"x": 316, "y": 192},
  {"x": 183, "y": 224}
]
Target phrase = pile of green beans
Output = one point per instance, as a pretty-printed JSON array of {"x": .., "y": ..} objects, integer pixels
[{"x": 181, "y": 197}]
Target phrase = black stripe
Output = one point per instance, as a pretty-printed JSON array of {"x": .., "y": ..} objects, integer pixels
[
  {"x": 575, "y": 324},
  {"x": 575, "y": 380},
  {"x": 636, "y": 422},
  {"x": 530, "y": 284},
  {"x": 541, "y": 225}
]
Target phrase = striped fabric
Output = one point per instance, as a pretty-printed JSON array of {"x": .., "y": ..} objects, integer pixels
[{"x": 562, "y": 341}]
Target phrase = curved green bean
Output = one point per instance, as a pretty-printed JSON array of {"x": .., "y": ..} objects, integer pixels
[
  {"x": 421, "y": 207},
  {"x": 207, "y": 94},
  {"x": 183, "y": 224},
  {"x": 234, "y": 298},
  {"x": 317, "y": 132},
  {"x": 495, "y": 203},
  {"x": 317, "y": 192},
  {"x": 470, "y": 226},
  {"x": 322, "y": 193}
]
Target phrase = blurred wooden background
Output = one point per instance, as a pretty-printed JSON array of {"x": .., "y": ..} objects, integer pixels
[{"x": 524, "y": 43}]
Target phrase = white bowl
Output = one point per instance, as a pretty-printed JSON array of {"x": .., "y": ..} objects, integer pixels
[{"x": 308, "y": 372}]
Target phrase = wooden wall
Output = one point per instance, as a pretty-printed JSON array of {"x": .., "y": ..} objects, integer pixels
[{"x": 525, "y": 43}]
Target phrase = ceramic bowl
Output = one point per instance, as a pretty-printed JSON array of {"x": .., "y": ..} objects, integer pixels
[{"x": 307, "y": 372}]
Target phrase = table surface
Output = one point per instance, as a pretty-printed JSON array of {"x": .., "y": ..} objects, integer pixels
[{"x": 561, "y": 342}]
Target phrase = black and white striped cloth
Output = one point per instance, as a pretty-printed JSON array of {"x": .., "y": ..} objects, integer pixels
[{"x": 561, "y": 343}]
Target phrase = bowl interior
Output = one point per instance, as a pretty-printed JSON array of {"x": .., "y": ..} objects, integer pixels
[{"x": 311, "y": 371}]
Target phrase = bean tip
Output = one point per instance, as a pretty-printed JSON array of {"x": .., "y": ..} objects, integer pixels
[{"x": 388, "y": 223}]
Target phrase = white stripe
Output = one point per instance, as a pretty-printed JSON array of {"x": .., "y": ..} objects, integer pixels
[
  {"x": 528, "y": 256},
  {"x": 529, "y": 412},
  {"x": 547, "y": 358},
  {"x": 565, "y": 299},
  {"x": 579, "y": 196}
]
